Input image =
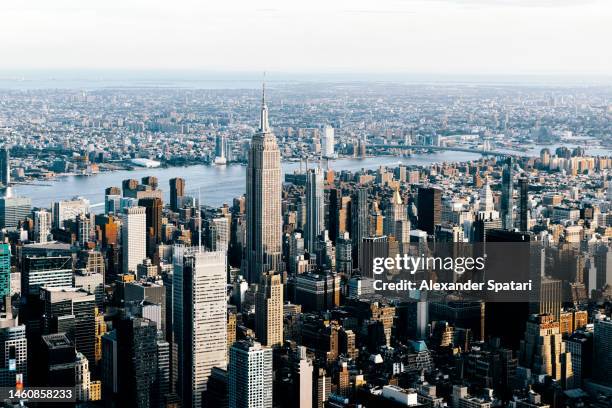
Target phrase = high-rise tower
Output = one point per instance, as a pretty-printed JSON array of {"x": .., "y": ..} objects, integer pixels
[
  {"x": 507, "y": 196},
  {"x": 263, "y": 201},
  {"x": 315, "y": 207},
  {"x": 269, "y": 310},
  {"x": 395, "y": 212},
  {"x": 133, "y": 237},
  {"x": 200, "y": 319},
  {"x": 5, "y": 167}
]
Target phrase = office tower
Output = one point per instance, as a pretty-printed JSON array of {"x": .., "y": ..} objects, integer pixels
[
  {"x": 372, "y": 247},
  {"x": 543, "y": 349},
  {"x": 395, "y": 212},
  {"x": 110, "y": 363},
  {"x": 523, "y": 186},
  {"x": 219, "y": 234},
  {"x": 296, "y": 251},
  {"x": 602, "y": 352},
  {"x": 344, "y": 259},
  {"x": 327, "y": 142},
  {"x": 49, "y": 271},
  {"x": 315, "y": 207},
  {"x": 14, "y": 210},
  {"x": 486, "y": 199},
  {"x": 162, "y": 386},
  {"x": 359, "y": 215},
  {"x": 263, "y": 196},
  {"x": 200, "y": 319},
  {"x": 217, "y": 394},
  {"x": 68, "y": 210},
  {"x": 603, "y": 266},
  {"x": 250, "y": 375},
  {"x": 343, "y": 383},
  {"x": 302, "y": 374},
  {"x": 5, "y": 167},
  {"x": 506, "y": 320},
  {"x": 82, "y": 378},
  {"x": 402, "y": 235},
  {"x": 220, "y": 149},
  {"x": 56, "y": 365},
  {"x": 77, "y": 304},
  {"x": 177, "y": 191},
  {"x": 269, "y": 310},
  {"x": 137, "y": 362},
  {"x": 429, "y": 208},
  {"x": 112, "y": 202},
  {"x": 231, "y": 329},
  {"x": 84, "y": 229},
  {"x": 548, "y": 296},
  {"x": 507, "y": 199},
  {"x": 346, "y": 343},
  {"x": 5, "y": 270},
  {"x": 151, "y": 181},
  {"x": 325, "y": 252},
  {"x": 42, "y": 226},
  {"x": 317, "y": 292},
  {"x": 153, "y": 210},
  {"x": 321, "y": 388},
  {"x": 580, "y": 345},
  {"x": 13, "y": 350},
  {"x": 335, "y": 205},
  {"x": 133, "y": 237}
]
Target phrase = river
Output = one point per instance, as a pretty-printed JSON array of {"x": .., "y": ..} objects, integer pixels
[{"x": 217, "y": 184}]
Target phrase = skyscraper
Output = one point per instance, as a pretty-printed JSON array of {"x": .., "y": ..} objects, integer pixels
[
  {"x": 429, "y": 208},
  {"x": 137, "y": 362},
  {"x": 302, "y": 375},
  {"x": 14, "y": 210},
  {"x": 543, "y": 349},
  {"x": 523, "y": 200},
  {"x": 49, "y": 271},
  {"x": 507, "y": 200},
  {"x": 133, "y": 237},
  {"x": 5, "y": 167},
  {"x": 602, "y": 352},
  {"x": 486, "y": 199},
  {"x": 13, "y": 350},
  {"x": 200, "y": 319},
  {"x": 269, "y": 310},
  {"x": 395, "y": 211},
  {"x": 42, "y": 226},
  {"x": 250, "y": 375},
  {"x": 263, "y": 201},
  {"x": 359, "y": 216},
  {"x": 153, "y": 210},
  {"x": 220, "y": 148},
  {"x": 5, "y": 270},
  {"x": 68, "y": 210},
  {"x": 315, "y": 207},
  {"x": 177, "y": 190},
  {"x": 327, "y": 142}
]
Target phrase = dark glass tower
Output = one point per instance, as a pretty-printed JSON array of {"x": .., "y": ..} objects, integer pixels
[{"x": 429, "y": 209}]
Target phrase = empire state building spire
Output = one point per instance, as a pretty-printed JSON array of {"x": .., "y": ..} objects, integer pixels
[{"x": 264, "y": 126}]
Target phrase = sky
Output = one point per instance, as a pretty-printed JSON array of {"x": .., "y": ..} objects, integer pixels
[{"x": 353, "y": 36}]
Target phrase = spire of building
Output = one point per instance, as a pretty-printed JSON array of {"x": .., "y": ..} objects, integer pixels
[
  {"x": 397, "y": 199},
  {"x": 264, "y": 126}
]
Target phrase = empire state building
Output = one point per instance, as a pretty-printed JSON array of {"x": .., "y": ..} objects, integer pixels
[{"x": 263, "y": 201}]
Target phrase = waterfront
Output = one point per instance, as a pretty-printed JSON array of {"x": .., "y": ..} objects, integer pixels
[{"x": 217, "y": 184}]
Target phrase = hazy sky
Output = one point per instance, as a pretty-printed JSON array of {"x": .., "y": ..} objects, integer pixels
[{"x": 384, "y": 36}]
